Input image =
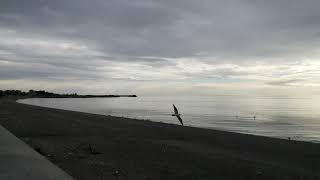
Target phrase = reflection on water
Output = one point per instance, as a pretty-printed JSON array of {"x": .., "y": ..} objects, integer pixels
[{"x": 275, "y": 116}]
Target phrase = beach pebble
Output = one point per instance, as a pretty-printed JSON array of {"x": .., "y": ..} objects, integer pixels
[{"x": 115, "y": 173}]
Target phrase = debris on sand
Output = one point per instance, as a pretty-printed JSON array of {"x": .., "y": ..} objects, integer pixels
[{"x": 92, "y": 150}]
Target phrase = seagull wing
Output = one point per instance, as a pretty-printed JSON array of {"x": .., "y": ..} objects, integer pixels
[
  {"x": 175, "y": 109},
  {"x": 180, "y": 120}
]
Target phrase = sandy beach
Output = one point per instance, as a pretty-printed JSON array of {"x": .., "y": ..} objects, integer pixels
[{"x": 89, "y": 146}]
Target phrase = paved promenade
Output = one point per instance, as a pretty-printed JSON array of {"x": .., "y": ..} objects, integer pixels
[{"x": 20, "y": 162}]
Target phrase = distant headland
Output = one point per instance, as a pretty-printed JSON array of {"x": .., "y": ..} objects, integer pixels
[{"x": 45, "y": 94}]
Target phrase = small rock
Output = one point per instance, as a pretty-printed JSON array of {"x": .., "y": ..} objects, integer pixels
[{"x": 115, "y": 173}]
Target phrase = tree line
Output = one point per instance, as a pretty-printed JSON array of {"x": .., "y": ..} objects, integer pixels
[
  {"x": 45, "y": 94},
  {"x": 22, "y": 93}
]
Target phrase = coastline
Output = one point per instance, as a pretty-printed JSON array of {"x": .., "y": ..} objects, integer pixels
[{"x": 90, "y": 146}]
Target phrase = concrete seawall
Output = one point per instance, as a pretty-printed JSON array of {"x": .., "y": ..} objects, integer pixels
[{"x": 18, "y": 161}]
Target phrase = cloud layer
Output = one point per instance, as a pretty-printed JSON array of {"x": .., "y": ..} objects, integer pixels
[{"x": 116, "y": 45}]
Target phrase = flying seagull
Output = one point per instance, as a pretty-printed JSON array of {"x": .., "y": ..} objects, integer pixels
[{"x": 176, "y": 113}]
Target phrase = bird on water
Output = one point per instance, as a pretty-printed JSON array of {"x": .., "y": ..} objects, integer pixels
[{"x": 177, "y": 114}]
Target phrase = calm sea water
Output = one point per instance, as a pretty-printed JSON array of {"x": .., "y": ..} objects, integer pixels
[{"x": 295, "y": 117}]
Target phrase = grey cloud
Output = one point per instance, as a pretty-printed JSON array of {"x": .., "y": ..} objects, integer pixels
[
  {"x": 154, "y": 34},
  {"x": 285, "y": 82},
  {"x": 220, "y": 73},
  {"x": 227, "y": 29}
]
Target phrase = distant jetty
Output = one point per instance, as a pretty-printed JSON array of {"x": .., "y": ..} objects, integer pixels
[{"x": 45, "y": 94}]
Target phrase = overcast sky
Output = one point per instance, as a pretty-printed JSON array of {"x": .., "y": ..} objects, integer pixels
[{"x": 159, "y": 46}]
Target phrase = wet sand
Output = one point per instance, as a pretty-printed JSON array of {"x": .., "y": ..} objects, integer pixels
[{"x": 89, "y": 146}]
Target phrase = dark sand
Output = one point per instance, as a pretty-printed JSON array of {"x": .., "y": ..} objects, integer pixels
[{"x": 136, "y": 149}]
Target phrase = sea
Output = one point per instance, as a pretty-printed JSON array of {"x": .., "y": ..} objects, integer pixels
[{"x": 297, "y": 118}]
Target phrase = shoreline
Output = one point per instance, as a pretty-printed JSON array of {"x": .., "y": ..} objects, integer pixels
[
  {"x": 91, "y": 146},
  {"x": 200, "y": 127}
]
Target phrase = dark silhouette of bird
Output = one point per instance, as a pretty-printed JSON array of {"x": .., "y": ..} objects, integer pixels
[{"x": 177, "y": 114}]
